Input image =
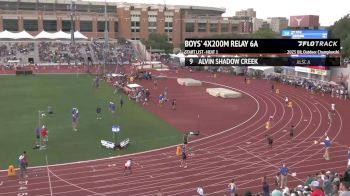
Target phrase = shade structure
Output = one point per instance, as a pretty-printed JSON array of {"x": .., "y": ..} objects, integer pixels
[
  {"x": 44, "y": 35},
  {"x": 7, "y": 35},
  {"x": 61, "y": 35},
  {"x": 78, "y": 35},
  {"x": 23, "y": 35}
]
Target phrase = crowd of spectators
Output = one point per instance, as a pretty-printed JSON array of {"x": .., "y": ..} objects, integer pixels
[
  {"x": 314, "y": 86},
  {"x": 13, "y": 52},
  {"x": 118, "y": 53},
  {"x": 61, "y": 52}
]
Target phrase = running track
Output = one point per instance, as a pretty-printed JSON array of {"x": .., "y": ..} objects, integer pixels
[{"x": 234, "y": 147}]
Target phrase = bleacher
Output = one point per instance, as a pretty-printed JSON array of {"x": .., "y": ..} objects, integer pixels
[{"x": 63, "y": 53}]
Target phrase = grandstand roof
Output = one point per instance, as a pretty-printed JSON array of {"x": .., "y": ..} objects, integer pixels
[{"x": 123, "y": 4}]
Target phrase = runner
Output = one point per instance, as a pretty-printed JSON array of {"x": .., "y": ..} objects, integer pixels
[
  {"x": 184, "y": 157},
  {"x": 286, "y": 100},
  {"x": 333, "y": 108},
  {"x": 291, "y": 132},
  {"x": 173, "y": 104},
  {"x": 128, "y": 166},
  {"x": 329, "y": 117},
  {"x": 232, "y": 188},
  {"x": 269, "y": 141}
]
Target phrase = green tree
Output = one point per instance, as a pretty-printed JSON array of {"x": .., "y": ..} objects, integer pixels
[
  {"x": 158, "y": 42},
  {"x": 265, "y": 34},
  {"x": 341, "y": 30}
]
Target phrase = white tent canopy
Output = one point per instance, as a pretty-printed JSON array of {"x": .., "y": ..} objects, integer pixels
[
  {"x": 7, "y": 35},
  {"x": 265, "y": 69},
  {"x": 61, "y": 35},
  {"x": 78, "y": 35},
  {"x": 23, "y": 35},
  {"x": 44, "y": 35}
]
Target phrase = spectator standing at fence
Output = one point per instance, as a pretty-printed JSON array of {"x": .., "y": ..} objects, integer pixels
[
  {"x": 232, "y": 188},
  {"x": 266, "y": 189},
  {"x": 344, "y": 188},
  {"x": 284, "y": 176}
]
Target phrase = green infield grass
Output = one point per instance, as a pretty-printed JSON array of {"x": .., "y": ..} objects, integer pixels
[{"x": 23, "y": 96}]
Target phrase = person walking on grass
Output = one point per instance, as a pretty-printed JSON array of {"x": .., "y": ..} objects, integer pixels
[
  {"x": 98, "y": 113},
  {"x": 121, "y": 102}
]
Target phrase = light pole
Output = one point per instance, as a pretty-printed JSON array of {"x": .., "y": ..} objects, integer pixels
[{"x": 106, "y": 40}]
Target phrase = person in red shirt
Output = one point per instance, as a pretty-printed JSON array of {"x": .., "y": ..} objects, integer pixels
[
  {"x": 43, "y": 135},
  {"x": 315, "y": 187}
]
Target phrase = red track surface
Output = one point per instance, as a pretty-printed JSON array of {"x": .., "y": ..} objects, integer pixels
[{"x": 232, "y": 145}]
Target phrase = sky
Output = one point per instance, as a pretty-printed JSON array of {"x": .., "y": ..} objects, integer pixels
[{"x": 329, "y": 11}]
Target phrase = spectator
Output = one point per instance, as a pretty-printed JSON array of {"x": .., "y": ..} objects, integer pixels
[
  {"x": 276, "y": 192},
  {"x": 277, "y": 179},
  {"x": 316, "y": 190},
  {"x": 266, "y": 189}
]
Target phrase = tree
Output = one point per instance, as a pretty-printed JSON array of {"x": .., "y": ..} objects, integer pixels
[
  {"x": 265, "y": 34},
  {"x": 341, "y": 30},
  {"x": 159, "y": 42}
]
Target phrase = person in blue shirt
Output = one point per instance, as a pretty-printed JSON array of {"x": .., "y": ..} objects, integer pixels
[
  {"x": 97, "y": 82},
  {"x": 284, "y": 175},
  {"x": 327, "y": 145}
]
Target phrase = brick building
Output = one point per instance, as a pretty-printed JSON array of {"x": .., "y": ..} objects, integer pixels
[{"x": 131, "y": 21}]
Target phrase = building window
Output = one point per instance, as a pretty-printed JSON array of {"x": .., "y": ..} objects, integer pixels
[
  {"x": 189, "y": 27},
  {"x": 50, "y": 25},
  {"x": 135, "y": 24},
  {"x": 235, "y": 27},
  {"x": 135, "y": 30},
  {"x": 152, "y": 30},
  {"x": 213, "y": 27},
  {"x": 85, "y": 26},
  {"x": 152, "y": 24},
  {"x": 168, "y": 30},
  {"x": 224, "y": 27},
  {"x": 116, "y": 26},
  {"x": 168, "y": 24},
  {"x": 10, "y": 24},
  {"x": 101, "y": 26},
  {"x": 202, "y": 27},
  {"x": 30, "y": 25},
  {"x": 66, "y": 25}
]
